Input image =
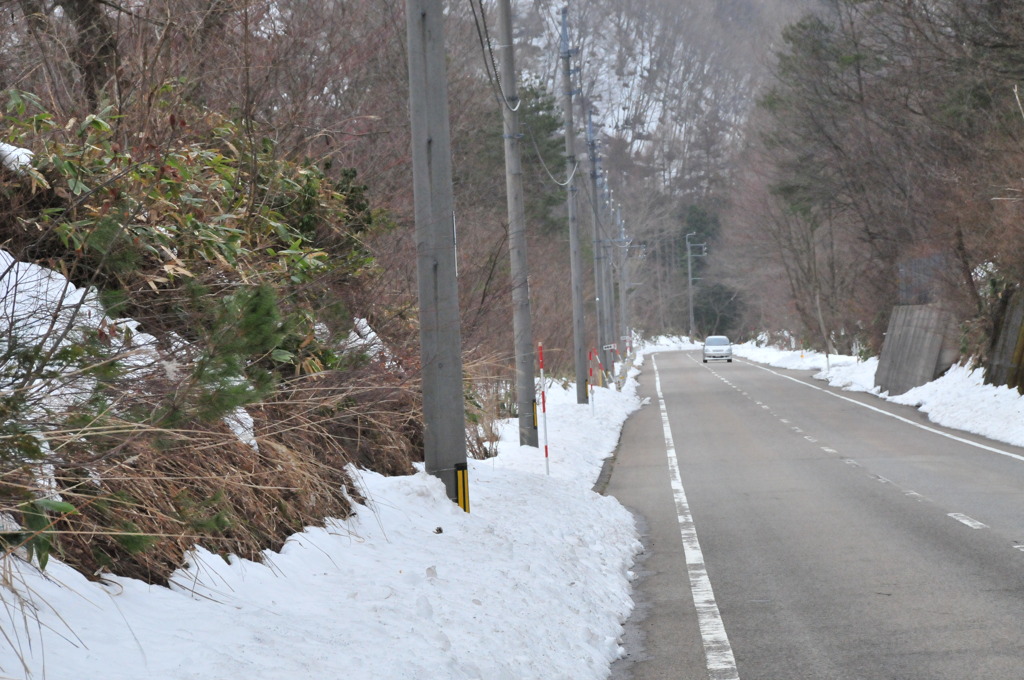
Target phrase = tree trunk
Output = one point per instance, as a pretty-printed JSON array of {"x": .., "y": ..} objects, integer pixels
[
  {"x": 966, "y": 271},
  {"x": 96, "y": 52}
]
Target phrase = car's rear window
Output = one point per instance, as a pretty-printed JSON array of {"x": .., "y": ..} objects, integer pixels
[{"x": 717, "y": 340}]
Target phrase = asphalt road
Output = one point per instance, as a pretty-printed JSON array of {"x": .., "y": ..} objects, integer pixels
[{"x": 825, "y": 538}]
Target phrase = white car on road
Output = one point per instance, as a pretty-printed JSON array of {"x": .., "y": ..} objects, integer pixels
[{"x": 717, "y": 347}]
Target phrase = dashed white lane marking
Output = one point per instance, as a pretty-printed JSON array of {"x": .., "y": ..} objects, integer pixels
[
  {"x": 849, "y": 461},
  {"x": 885, "y": 480},
  {"x": 960, "y": 517},
  {"x": 717, "y": 651},
  {"x": 883, "y": 412},
  {"x": 964, "y": 519}
]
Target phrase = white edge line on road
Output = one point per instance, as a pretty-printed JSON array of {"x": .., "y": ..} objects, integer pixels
[
  {"x": 717, "y": 651},
  {"x": 893, "y": 415}
]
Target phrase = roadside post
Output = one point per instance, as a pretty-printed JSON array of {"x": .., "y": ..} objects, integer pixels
[
  {"x": 544, "y": 406},
  {"x": 462, "y": 485}
]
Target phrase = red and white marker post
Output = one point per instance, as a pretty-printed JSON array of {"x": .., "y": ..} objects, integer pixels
[{"x": 544, "y": 406}]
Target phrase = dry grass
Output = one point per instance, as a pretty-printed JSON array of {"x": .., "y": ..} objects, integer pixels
[
  {"x": 145, "y": 501},
  {"x": 488, "y": 397}
]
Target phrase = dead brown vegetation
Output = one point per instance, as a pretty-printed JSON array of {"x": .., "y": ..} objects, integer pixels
[{"x": 145, "y": 496}]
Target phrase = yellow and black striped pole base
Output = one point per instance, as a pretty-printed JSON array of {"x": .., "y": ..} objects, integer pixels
[{"x": 462, "y": 485}]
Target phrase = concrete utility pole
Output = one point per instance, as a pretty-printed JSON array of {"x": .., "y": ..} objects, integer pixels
[
  {"x": 599, "y": 256},
  {"x": 575, "y": 264},
  {"x": 522, "y": 326},
  {"x": 689, "y": 272},
  {"x": 440, "y": 335},
  {"x": 623, "y": 243},
  {"x": 608, "y": 255}
]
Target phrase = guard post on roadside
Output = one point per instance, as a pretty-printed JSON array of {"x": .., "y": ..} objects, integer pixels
[{"x": 462, "y": 485}]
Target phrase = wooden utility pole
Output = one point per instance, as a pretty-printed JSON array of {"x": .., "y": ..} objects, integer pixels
[
  {"x": 522, "y": 326},
  {"x": 575, "y": 263},
  {"x": 440, "y": 335}
]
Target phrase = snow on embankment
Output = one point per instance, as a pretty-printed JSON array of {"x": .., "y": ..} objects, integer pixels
[
  {"x": 40, "y": 308},
  {"x": 533, "y": 583}
]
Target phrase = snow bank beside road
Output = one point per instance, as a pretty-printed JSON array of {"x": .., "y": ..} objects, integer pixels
[
  {"x": 533, "y": 583},
  {"x": 959, "y": 399}
]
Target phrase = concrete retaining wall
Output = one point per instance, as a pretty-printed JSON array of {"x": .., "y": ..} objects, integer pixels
[
  {"x": 920, "y": 345},
  {"x": 1006, "y": 365}
]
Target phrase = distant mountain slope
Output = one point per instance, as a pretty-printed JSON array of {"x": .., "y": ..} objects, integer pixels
[{"x": 661, "y": 71}]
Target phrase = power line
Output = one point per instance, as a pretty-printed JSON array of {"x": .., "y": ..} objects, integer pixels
[
  {"x": 540, "y": 157},
  {"x": 490, "y": 61}
]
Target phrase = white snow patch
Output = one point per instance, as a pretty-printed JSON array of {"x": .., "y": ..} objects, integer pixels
[{"x": 15, "y": 158}]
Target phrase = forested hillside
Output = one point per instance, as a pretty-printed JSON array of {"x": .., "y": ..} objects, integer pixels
[{"x": 882, "y": 169}]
